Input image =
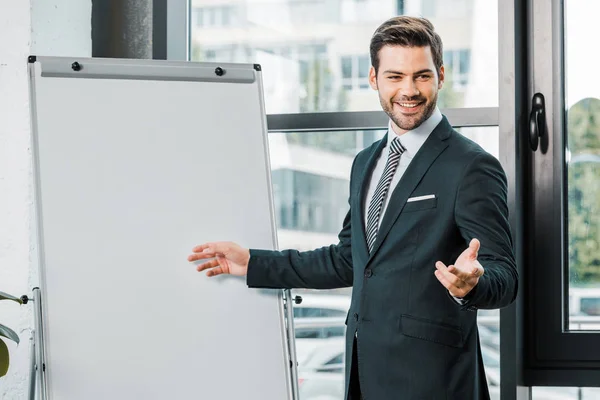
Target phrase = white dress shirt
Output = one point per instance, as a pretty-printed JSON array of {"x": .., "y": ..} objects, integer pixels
[{"x": 412, "y": 142}]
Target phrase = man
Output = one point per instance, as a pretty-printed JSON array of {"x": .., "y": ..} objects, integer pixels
[{"x": 425, "y": 244}]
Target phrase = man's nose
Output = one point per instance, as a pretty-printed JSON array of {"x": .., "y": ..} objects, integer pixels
[{"x": 408, "y": 88}]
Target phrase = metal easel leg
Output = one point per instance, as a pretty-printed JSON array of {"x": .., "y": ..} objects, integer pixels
[
  {"x": 40, "y": 366},
  {"x": 32, "y": 382},
  {"x": 291, "y": 335}
]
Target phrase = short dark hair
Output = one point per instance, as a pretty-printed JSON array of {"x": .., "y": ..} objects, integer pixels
[{"x": 407, "y": 32}]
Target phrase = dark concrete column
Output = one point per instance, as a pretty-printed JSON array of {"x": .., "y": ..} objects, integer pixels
[{"x": 126, "y": 28}]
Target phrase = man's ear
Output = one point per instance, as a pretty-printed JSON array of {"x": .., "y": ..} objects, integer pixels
[
  {"x": 441, "y": 77},
  {"x": 373, "y": 78}
]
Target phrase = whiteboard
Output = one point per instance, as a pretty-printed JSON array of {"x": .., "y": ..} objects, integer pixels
[{"x": 136, "y": 162}]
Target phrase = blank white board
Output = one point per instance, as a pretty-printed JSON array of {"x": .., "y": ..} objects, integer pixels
[{"x": 136, "y": 162}]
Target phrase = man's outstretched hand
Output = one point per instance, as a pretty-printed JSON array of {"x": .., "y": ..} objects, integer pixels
[
  {"x": 463, "y": 276},
  {"x": 228, "y": 258}
]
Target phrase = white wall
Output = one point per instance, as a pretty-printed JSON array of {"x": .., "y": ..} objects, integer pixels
[{"x": 40, "y": 27}]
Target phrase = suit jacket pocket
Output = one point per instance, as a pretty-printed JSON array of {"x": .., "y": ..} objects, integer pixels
[
  {"x": 432, "y": 331},
  {"x": 420, "y": 205}
]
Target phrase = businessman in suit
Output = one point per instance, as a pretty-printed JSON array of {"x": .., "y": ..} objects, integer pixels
[{"x": 426, "y": 242}]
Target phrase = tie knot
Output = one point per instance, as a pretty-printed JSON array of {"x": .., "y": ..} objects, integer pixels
[{"x": 396, "y": 147}]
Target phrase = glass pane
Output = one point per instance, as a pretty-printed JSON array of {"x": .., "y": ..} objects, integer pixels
[
  {"x": 488, "y": 137},
  {"x": 565, "y": 393},
  {"x": 304, "y": 48},
  {"x": 583, "y": 167},
  {"x": 310, "y": 179},
  {"x": 346, "y": 67}
]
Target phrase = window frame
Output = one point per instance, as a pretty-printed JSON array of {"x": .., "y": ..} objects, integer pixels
[{"x": 558, "y": 357}]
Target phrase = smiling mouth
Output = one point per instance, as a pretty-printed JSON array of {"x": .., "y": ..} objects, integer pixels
[{"x": 409, "y": 105}]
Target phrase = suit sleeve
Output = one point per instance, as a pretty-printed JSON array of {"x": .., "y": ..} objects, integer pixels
[
  {"x": 481, "y": 212},
  {"x": 329, "y": 267}
]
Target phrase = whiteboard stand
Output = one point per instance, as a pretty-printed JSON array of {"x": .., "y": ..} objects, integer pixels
[
  {"x": 291, "y": 334},
  {"x": 116, "y": 168},
  {"x": 37, "y": 376}
]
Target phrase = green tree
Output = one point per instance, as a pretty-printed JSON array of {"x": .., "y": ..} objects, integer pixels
[{"x": 583, "y": 142}]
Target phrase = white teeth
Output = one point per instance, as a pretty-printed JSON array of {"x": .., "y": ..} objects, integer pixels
[{"x": 407, "y": 105}]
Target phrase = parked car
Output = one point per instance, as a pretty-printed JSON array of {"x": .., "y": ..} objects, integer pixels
[
  {"x": 489, "y": 337},
  {"x": 319, "y": 317},
  {"x": 311, "y": 333},
  {"x": 321, "y": 375},
  {"x": 584, "y": 301}
]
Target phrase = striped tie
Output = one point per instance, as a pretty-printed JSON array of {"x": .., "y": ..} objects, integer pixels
[{"x": 396, "y": 150}]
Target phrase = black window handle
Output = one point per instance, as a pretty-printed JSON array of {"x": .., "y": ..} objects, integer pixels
[{"x": 537, "y": 120}]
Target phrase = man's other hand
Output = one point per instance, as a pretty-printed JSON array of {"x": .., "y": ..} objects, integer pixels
[
  {"x": 226, "y": 258},
  {"x": 463, "y": 276}
]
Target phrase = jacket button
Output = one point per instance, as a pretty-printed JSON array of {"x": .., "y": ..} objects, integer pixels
[
  {"x": 356, "y": 316},
  {"x": 368, "y": 273}
]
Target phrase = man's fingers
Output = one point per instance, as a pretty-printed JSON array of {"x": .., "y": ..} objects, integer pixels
[
  {"x": 440, "y": 277},
  {"x": 207, "y": 265},
  {"x": 467, "y": 276},
  {"x": 477, "y": 271},
  {"x": 201, "y": 256},
  {"x": 454, "y": 290},
  {"x": 212, "y": 247},
  {"x": 460, "y": 274},
  {"x": 208, "y": 250},
  {"x": 215, "y": 271},
  {"x": 474, "y": 248},
  {"x": 450, "y": 274},
  {"x": 200, "y": 248}
]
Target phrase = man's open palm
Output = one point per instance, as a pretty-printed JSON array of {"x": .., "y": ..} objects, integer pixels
[
  {"x": 228, "y": 258},
  {"x": 464, "y": 275}
]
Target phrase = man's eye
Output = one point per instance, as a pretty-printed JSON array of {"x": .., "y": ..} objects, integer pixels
[{"x": 423, "y": 77}]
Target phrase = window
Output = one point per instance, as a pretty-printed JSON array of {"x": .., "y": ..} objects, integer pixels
[
  {"x": 310, "y": 202},
  {"x": 457, "y": 65},
  {"x": 214, "y": 17},
  {"x": 320, "y": 332},
  {"x": 428, "y": 8},
  {"x": 400, "y": 7},
  {"x": 355, "y": 72},
  {"x": 325, "y": 63},
  {"x": 565, "y": 227},
  {"x": 313, "y": 312}
]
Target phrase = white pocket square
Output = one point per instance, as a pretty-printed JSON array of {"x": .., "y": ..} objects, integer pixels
[{"x": 420, "y": 198}]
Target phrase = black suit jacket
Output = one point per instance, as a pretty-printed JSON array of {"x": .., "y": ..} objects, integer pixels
[{"x": 414, "y": 341}]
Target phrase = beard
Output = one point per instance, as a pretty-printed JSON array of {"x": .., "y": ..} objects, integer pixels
[{"x": 409, "y": 122}]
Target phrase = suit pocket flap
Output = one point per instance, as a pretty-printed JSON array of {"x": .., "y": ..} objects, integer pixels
[
  {"x": 432, "y": 331},
  {"x": 419, "y": 205}
]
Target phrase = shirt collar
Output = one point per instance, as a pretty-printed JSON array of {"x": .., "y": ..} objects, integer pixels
[{"x": 414, "y": 139}]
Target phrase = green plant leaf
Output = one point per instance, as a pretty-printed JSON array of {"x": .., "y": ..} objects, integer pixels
[
  {"x": 6, "y": 296},
  {"x": 4, "y": 358},
  {"x": 8, "y": 333}
]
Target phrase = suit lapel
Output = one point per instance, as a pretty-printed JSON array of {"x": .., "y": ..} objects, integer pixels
[
  {"x": 365, "y": 177},
  {"x": 431, "y": 149}
]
